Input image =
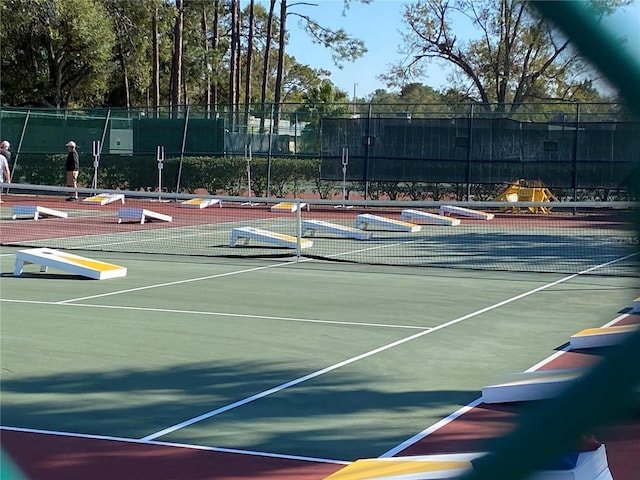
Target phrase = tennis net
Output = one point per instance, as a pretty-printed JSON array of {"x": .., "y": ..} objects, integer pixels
[{"x": 551, "y": 237}]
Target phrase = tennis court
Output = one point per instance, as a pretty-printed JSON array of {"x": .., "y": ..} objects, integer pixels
[{"x": 253, "y": 362}]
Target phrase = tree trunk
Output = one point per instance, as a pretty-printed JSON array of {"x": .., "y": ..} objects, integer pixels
[
  {"x": 247, "y": 84},
  {"x": 155, "y": 77},
  {"x": 176, "y": 63},
  {"x": 236, "y": 78},
  {"x": 233, "y": 66},
  {"x": 280, "y": 72},
  {"x": 215, "y": 43},
  {"x": 207, "y": 64},
  {"x": 265, "y": 66}
]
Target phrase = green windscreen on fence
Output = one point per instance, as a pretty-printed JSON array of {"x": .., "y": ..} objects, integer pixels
[
  {"x": 47, "y": 131},
  {"x": 566, "y": 154}
]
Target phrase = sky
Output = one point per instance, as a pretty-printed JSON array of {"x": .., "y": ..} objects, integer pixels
[{"x": 379, "y": 25}]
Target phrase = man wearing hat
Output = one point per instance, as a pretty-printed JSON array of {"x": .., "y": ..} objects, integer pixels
[{"x": 73, "y": 168}]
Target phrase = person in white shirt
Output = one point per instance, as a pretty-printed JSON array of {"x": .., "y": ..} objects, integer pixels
[{"x": 5, "y": 156}]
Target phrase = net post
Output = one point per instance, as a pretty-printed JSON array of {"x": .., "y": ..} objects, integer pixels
[
  {"x": 160, "y": 159},
  {"x": 95, "y": 146},
  {"x": 298, "y": 229}
]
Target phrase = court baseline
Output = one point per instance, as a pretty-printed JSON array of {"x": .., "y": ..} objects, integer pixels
[{"x": 89, "y": 436}]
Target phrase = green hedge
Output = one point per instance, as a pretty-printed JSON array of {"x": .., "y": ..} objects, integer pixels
[{"x": 218, "y": 175}]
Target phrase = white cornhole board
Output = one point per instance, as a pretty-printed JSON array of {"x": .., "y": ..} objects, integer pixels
[
  {"x": 528, "y": 386},
  {"x": 75, "y": 264},
  {"x": 592, "y": 465},
  {"x": 365, "y": 219},
  {"x": 426, "y": 217},
  {"x": 601, "y": 337},
  {"x": 142, "y": 215},
  {"x": 35, "y": 212},
  {"x": 201, "y": 203},
  {"x": 267, "y": 236},
  {"x": 311, "y": 226},
  {"x": 288, "y": 207},
  {"x": 465, "y": 212},
  {"x": 104, "y": 198}
]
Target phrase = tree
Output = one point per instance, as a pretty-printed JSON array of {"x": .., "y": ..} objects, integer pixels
[
  {"x": 323, "y": 100},
  {"x": 176, "y": 62},
  {"x": 55, "y": 52},
  {"x": 410, "y": 97},
  {"x": 265, "y": 62},
  {"x": 234, "y": 61},
  {"x": 342, "y": 46},
  {"x": 132, "y": 22},
  {"x": 515, "y": 57},
  {"x": 249, "y": 62}
]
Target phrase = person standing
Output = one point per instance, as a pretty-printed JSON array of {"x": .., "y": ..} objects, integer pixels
[
  {"x": 5, "y": 156},
  {"x": 72, "y": 168}
]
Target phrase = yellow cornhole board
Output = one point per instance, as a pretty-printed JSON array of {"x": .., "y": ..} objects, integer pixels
[
  {"x": 311, "y": 226},
  {"x": 442, "y": 467},
  {"x": 279, "y": 239},
  {"x": 288, "y": 207},
  {"x": 601, "y": 337},
  {"x": 465, "y": 212},
  {"x": 418, "y": 216},
  {"x": 104, "y": 199},
  {"x": 201, "y": 203},
  {"x": 364, "y": 220},
  {"x": 591, "y": 465},
  {"x": 75, "y": 264}
]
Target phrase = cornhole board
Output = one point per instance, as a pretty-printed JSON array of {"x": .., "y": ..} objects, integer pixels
[
  {"x": 288, "y": 207},
  {"x": 201, "y": 203},
  {"x": 104, "y": 198},
  {"x": 311, "y": 226},
  {"x": 365, "y": 219},
  {"x": 281, "y": 240},
  {"x": 426, "y": 217},
  {"x": 591, "y": 465},
  {"x": 142, "y": 215},
  {"x": 465, "y": 212},
  {"x": 528, "y": 386},
  {"x": 35, "y": 212},
  {"x": 601, "y": 337},
  {"x": 75, "y": 264},
  {"x": 444, "y": 466}
]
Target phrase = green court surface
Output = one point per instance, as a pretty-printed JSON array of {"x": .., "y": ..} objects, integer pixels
[{"x": 308, "y": 358}]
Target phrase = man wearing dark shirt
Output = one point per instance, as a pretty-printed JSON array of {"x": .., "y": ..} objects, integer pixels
[{"x": 72, "y": 168}]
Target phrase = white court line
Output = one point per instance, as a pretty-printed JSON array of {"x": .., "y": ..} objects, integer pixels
[
  {"x": 458, "y": 413},
  {"x": 299, "y": 380},
  {"x": 172, "y": 444},
  {"x": 217, "y": 314},
  {"x": 177, "y": 282}
]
